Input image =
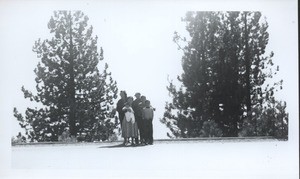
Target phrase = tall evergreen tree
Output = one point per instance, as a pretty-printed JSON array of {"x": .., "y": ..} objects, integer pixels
[
  {"x": 224, "y": 73},
  {"x": 74, "y": 93},
  {"x": 193, "y": 101}
]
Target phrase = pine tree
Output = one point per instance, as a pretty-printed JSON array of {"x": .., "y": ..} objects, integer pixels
[
  {"x": 225, "y": 70},
  {"x": 193, "y": 100},
  {"x": 69, "y": 84}
]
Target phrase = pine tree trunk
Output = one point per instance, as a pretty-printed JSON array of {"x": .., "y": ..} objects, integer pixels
[
  {"x": 236, "y": 107},
  {"x": 247, "y": 61},
  {"x": 72, "y": 103}
]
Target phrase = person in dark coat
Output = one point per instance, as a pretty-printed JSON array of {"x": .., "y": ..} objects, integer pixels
[
  {"x": 137, "y": 108},
  {"x": 148, "y": 114},
  {"x": 120, "y": 105}
]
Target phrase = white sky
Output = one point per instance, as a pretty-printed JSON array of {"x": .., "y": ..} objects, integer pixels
[{"x": 137, "y": 41}]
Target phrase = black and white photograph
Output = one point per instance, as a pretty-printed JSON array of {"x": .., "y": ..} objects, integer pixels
[{"x": 149, "y": 89}]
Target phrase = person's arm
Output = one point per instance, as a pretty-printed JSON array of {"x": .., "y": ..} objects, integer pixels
[
  {"x": 152, "y": 108},
  {"x": 119, "y": 107},
  {"x": 152, "y": 114},
  {"x": 131, "y": 110}
]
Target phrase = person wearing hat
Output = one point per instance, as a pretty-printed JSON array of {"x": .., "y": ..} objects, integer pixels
[
  {"x": 136, "y": 105},
  {"x": 120, "y": 105},
  {"x": 147, "y": 116}
]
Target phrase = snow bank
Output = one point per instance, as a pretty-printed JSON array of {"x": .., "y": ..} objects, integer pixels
[{"x": 205, "y": 159}]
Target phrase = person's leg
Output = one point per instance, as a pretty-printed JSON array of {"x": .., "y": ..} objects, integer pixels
[
  {"x": 124, "y": 140},
  {"x": 147, "y": 132},
  {"x": 128, "y": 141},
  {"x": 144, "y": 131},
  {"x": 141, "y": 131},
  {"x": 123, "y": 128},
  {"x": 151, "y": 133},
  {"x": 121, "y": 120},
  {"x": 138, "y": 128},
  {"x": 132, "y": 133},
  {"x": 124, "y": 133}
]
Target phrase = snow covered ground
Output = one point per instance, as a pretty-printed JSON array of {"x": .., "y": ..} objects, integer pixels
[{"x": 181, "y": 159}]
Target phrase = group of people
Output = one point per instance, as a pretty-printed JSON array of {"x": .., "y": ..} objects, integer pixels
[{"x": 136, "y": 117}]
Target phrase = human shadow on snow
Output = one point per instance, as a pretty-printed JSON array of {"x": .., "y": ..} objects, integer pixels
[{"x": 121, "y": 146}]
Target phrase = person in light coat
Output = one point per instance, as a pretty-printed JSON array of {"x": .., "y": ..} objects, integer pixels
[{"x": 129, "y": 125}]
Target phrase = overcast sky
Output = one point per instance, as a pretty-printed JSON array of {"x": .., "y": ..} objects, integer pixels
[{"x": 137, "y": 41}]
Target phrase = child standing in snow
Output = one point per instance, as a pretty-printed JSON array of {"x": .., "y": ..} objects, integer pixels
[
  {"x": 129, "y": 125},
  {"x": 148, "y": 113}
]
